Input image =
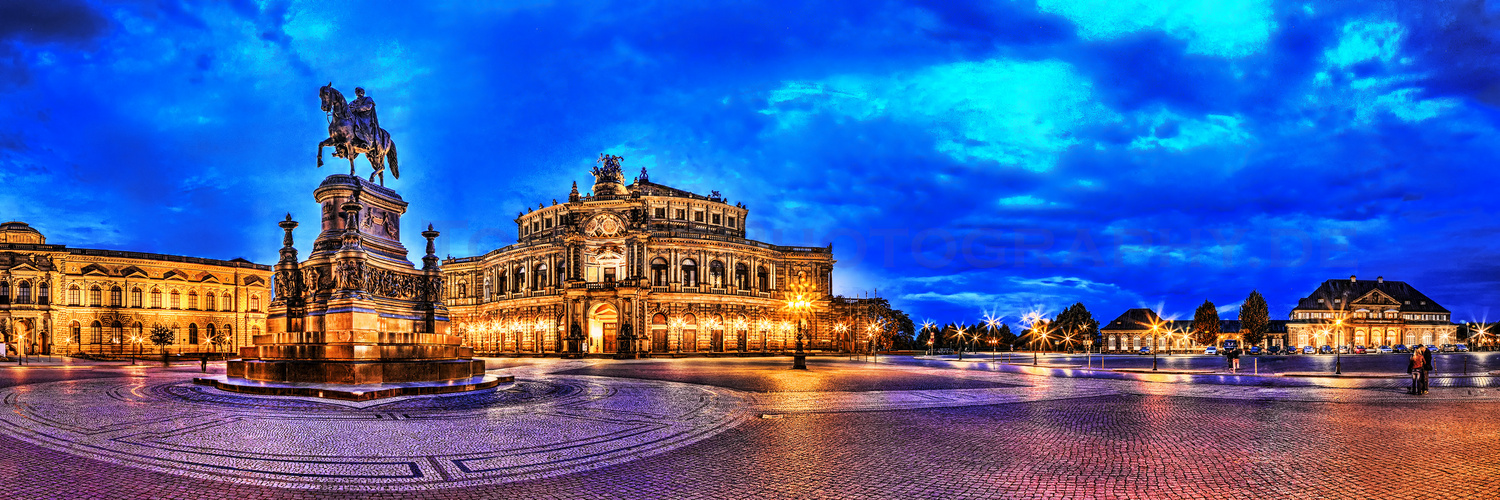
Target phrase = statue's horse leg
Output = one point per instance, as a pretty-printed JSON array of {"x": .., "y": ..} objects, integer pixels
[{"x": 326, "y": 142}]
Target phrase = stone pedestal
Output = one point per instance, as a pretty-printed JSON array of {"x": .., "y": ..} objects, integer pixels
[{"x": 356, "y": 314}]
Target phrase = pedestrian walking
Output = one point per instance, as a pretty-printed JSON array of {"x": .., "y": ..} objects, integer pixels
[
  {"x": 1414, "y": 367},
  {"x": 1234, "y": 360},
  {"x": 1426, "y": 366}
]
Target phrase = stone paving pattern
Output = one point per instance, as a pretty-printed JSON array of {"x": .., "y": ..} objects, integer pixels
[{"x": 1024, "y": 437}]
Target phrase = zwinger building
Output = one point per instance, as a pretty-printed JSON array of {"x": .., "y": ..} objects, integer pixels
[
  {"x": 672, "y": 270},
  {"x": 1374, "y": 312},
  {"x": 60, "y": 300}
]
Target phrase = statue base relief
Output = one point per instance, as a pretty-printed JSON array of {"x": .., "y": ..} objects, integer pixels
[{"x": 356, "y": 320}]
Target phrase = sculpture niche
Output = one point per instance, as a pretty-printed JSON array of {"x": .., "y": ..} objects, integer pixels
[{"x": 353, "y": 129}]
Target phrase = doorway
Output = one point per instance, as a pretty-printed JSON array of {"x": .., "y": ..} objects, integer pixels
[{"x": 604, "y": 321}]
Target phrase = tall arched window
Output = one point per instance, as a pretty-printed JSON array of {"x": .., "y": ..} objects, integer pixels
[
  {"x": 502, "y": 285},
  {"x": 255, "y": 303},
  {"x": 210, "y": 301},
  {"x": 541, "y": 276},
  {"x": 742, "y": 276},
  {"x": 520, "y": 279},
  {"x": 135, "y": 297},
  {"x": 716, "y": 274},
  {"x": 77, "y": 332},
  {"x": 4, "y": 292},
  {"x": 96, "y": 333},
  {"x": 658, "y": 272},
  {"x": 139, "y": 332},
  {"x": 689, "y": 272},
  {"x": 116, "y": 333},
  {"x": 763, "y": 279},
  {"x": 193, "y": 299},
  {"x": 193, "y": 332},
  {"x": 74, "y": 295},
  {"x": 176, "y": 333},
  {"x": 116, "y": 297},
  {"x": 227, "y": 303},
  {"x": 176, "y": 300},
  {"x": 96, "y": 296},
  {"x": 227, "y": 332},
  {"x": 562, "y": 275},
  {"x": 155, "y": 298},
  {"x": 23, "y": 292}
]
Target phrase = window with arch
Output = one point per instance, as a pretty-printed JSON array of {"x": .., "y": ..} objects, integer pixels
[
  {"x": 659, "y": 332},
  {"x": 74, "y": 295},
  {"x": 520, "y": 279},
  {"x": 23, "y": 292},
  {"x": 226, "y": 332},
  {"x": 228, "y": 303},
  {"x": 96, "y": 296},
  {"x": 763, "y": 279},
  {"x": 139, "y": 331},
  {"x": 716, "y": 274},
  {"x": 155, "y": 298},
  {"x": 502, "y": 285},
  {"x": 116, "y": 297},
  {"x": 193, "y": 332},
  {"x": 541, "y": 276},
  {"x": 176, "y": 300},
  {"x": 96, "y": 333},
  {"x": 135, "y": 297},
  {"x": 210, "y": 301},
  {"x": 742, "y": 276},
  {"x": 689, "y": 272},
  {"x": 77, "y": 333},
  {"x": 4, "y": 292},
  {"x": 44, "y": 294},
  {"x": 193, "y": 299},
  {"x": 116, "y": 333},
  {"x": 658, "y": 272},
  {"x": 254, "y": 303},
  {"x": 562, "y": 275},
  {"x": 176, "y": 333}
]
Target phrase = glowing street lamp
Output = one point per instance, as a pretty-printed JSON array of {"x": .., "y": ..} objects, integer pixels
[
  {"x": 927, "y": 327},
  {"x": 1338, "y": 362},
  {"x": 137, "y": 340},
  {"x": 1155, "y": 334},
  {"x": 960, "y": 331},
  {"x": 799, "y": 302}
]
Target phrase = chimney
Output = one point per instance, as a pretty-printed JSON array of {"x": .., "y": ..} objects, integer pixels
[
  {"x": 1380, "y": 279},
  {"x": 1351, "y": 278}
]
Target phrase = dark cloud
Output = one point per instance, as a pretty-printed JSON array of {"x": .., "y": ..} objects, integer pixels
[{"x": 68, "y": 21}]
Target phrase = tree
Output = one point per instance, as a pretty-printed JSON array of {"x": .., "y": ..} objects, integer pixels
[
  {"x": 1255, "y": 319},
  {"x": 161, "y": 336},
  {"x": 1206, "y": 324},
  {"x": 1005, "y": 336},
  {"x": 1076, "y": 321}
]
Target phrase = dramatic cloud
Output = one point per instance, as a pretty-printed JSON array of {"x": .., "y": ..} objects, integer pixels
[{"x": 961, "y": 156}]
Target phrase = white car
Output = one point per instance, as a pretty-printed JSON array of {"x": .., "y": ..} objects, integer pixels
[{"x": 1211, "y": 350}]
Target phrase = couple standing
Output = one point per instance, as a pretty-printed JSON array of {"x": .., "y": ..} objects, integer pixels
[{"x": 1418, "y": 365}]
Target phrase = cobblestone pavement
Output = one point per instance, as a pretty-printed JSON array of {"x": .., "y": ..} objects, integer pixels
[{"x": 943, "y": 433}]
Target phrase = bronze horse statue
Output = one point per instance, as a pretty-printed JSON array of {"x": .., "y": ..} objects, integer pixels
[{"x": 347, "y": 144}]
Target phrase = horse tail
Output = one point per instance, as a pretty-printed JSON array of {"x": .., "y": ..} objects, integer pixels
[{"x": 390, "y": 155}]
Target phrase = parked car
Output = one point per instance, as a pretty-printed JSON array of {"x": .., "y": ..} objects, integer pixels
[
  {"x": 1145, "y": 350},
  {"x": 1343, "y": 349},
  {"x": 1402, "y": 349},
  {"x": 1211, "y": 350},
  {"x": 1327, "y": 349},
  {"x": 1255, "y": 350},
  {"x": 1359, "y": 349},
  {"x": 1307, "y": 349},
  {"x": 1385, "y": 349},
  {"x": 1460, "y": 347},
  {"x": 1448, "y": 348}
]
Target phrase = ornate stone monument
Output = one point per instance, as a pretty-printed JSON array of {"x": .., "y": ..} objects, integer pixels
[{"x": 356, "y": 320}]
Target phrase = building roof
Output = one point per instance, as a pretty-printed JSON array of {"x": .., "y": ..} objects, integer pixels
[
  {"x": 1407, "y": 296},
  {"x": 1141, "y": 319},
  {"x": 20, "y": 232}
]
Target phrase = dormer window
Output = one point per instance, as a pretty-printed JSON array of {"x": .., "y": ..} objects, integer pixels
[{"x": 716, "y": 219}]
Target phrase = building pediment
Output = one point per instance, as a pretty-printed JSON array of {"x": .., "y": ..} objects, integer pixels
[
  {"x": 254, "y": 280},
  {"x": 175, "y": 275},
  {"x": 133, "y": 272},
  {"x": 1376, "y": 297},
  {"x": 94, "y": 270}
]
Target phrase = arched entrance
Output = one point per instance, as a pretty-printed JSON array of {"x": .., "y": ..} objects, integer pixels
[
  {"x": 23, "y": 336},
  {"x": 604, "y": 323}
]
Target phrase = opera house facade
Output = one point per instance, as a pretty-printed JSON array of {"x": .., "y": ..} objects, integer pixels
[{"x": 640, "y": 268}]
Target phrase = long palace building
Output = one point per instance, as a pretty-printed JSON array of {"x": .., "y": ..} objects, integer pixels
[
  {"x": 59, "y": 300},
  {"x": 669, "y": 269}
]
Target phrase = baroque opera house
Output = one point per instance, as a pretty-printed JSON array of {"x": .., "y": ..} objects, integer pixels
[{"x": 642, "y": 268}]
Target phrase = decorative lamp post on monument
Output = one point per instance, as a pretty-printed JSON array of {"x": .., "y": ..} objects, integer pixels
[{"x": 799, "y": 304}]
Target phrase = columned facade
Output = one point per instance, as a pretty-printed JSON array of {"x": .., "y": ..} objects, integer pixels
[
  {"x": 1370, "y": 313},
  {"x": 638, "y": 268}
]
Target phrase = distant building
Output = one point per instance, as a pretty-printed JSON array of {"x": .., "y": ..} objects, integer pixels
[
  {"x": 55, "y": 299},
  {"x": 1132, "y": 331},
  {"x": 1373, "y": 313},
  {"x": 673, "y": 269}
]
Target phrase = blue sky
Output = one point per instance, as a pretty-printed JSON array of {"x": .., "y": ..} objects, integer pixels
[{"x": 961, "y": 156}]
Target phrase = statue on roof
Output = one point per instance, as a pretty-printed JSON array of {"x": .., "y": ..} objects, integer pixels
[{"x": 353, "y": 129}]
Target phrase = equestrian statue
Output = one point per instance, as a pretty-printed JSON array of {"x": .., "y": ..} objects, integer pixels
[{"x": 354, "y": 129}]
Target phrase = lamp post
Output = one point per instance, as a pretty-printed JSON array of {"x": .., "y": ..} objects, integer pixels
[
  {"x": 1155, "y": 328},
  {"x": 927, "y": 328},
  {"x": 1338, "y": 361},
  {"x": 137, "y": 340},
  {"x": 959, "y": 333},
  {"x": 799, "y": 303}
]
